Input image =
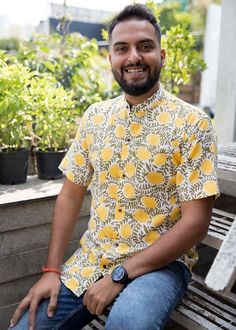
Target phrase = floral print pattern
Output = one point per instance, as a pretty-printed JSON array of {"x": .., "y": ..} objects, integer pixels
[{"x": 140, "y": 163}]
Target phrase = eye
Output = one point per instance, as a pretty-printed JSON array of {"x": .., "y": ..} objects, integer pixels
[
  {"x": 147, "y": 46},
  {"x": 120, "y": 49}
]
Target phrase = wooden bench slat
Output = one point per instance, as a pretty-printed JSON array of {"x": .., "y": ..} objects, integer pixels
[
  {"x": 227, "y": 221},
  {"x": 211, "y": 308},
  {"x": 208, "y": 296},
  {"x": 103, "y": 318},
  {"x": 98, "y": 325},
  {"x": 215, "y": 234},
  {"x": 223, "y": 213},
  {"x": 220, "y": 225},
  {"x": 87, "y": 327},
  {"x": 226, "y": 296},
  {"x": 218, "y": 230},
  {"x": 214, "y": 242},
  {"x": 191, "y": 320},
  {"x": 205, "y": 310},
  {"x": 206, "y": 314}
]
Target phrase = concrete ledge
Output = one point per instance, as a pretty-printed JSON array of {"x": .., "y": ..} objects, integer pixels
[
  {"x": 25, "y": 218},
  {"x": 34, "y": 188},
  {"x": 27, "y": 263},
  {"x": 19, "y": 288},
  {"x": 32, "y": 238},
  {"x": 32, "y": 213},
  {"x": 6, "y": 314}
]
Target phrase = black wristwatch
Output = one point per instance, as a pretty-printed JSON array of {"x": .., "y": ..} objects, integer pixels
[{"x": 120, "y": 275}]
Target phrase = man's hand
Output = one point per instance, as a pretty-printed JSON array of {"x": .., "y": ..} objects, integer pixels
[
  {"x": 101, "y": 294},
  {"x": 47, "y": 287}
]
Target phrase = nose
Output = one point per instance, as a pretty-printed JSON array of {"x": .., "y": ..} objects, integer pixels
[{"x": 134, "y": 56}]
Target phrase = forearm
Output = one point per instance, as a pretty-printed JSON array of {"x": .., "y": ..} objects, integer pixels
[
  {"x": 170, "y": 246},
  {"x": 64, "y": 219}
]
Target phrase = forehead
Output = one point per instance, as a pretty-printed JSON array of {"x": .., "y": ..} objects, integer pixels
[{"x": 133, "y": 30}]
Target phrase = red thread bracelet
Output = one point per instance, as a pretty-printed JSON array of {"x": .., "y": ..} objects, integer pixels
[{"x": 50, "y": 270}]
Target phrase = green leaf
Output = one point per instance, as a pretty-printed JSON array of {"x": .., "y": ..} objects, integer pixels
[{"x": 49, "y": 66}]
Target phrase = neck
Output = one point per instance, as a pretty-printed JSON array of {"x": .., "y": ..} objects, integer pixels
[{"x": 141, "y": 98}]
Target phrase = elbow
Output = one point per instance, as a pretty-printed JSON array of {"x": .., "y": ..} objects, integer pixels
[{"x": 199, "y": 228}]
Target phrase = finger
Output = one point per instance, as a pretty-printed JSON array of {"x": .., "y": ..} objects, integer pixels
[
  {"x": 92, "y": 305},
  {"x": 32, "y": 312},
  {"x": 52, "y": 304},
  {"x": 85, "y": 300},
  {"x": 20, "y": 309},
  {"x": 100, "y": 309}
]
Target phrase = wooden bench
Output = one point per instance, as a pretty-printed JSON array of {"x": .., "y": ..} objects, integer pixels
[
  {"x": 220, "y": 225},
  {"x": 208, "y": 304}
]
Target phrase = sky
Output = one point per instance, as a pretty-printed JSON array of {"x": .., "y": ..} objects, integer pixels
[{"x": 32, "y": 11}]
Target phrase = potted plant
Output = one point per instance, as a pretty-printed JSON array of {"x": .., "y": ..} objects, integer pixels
[
  {"x": 15, "y": 122},
  {"x": 53, "y": 124}
]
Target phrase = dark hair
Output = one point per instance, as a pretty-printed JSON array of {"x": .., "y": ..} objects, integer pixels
[{"x": 138, "y": 11}]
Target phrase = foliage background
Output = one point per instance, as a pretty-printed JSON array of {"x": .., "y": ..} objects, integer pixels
[{"x": 68, "y": 72}]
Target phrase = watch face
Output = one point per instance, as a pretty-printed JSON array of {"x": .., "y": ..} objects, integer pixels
[{"x": 118, "y": 274}]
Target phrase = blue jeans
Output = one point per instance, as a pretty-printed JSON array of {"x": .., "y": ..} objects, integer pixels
[{"x": 144, "y": 304}]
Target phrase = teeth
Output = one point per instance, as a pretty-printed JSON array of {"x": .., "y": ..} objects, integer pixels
[{"x": 134, "y": 70}]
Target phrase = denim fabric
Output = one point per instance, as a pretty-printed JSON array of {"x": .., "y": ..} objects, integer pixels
[
  {"x": 70, "y": 314},
  {"x": 145, "y": 304}
]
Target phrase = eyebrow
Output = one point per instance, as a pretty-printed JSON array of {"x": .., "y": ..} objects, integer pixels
[{"x": 118, "y": 43}]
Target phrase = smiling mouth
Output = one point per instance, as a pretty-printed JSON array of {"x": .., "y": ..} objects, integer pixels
[{"x": 135, "y": 70}]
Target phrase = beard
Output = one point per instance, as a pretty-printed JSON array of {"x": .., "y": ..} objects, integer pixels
[{"x": 136, "y": 88}]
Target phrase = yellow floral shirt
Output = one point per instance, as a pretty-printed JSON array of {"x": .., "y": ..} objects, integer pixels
[{"x": 140, "y": 163}]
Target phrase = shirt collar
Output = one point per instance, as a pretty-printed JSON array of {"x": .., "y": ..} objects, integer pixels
[{"x": 157, "y": 96}]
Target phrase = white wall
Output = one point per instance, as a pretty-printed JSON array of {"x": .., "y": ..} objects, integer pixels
[
  {"x": 211, "y": 51},
  {"x": 226, "y": 77}
]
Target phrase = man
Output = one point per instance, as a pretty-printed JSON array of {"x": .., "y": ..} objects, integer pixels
[{"x": 150, "y": 161}]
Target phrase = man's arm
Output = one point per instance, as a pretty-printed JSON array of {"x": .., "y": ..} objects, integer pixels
[
  {"x": 189, "y": 230},
  {"x": 65, "y": 215}
]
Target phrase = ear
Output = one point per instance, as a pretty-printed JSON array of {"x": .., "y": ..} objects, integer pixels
[
  {"x": 109, "y": 57},
  {"x": 163, "y": 56}
]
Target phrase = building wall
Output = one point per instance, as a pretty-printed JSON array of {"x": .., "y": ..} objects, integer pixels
[
  {"x": 24, "y": 237},
  {"x": 89, "y": 30}
]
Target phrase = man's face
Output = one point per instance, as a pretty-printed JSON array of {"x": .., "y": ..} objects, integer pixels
[{"x": 136, "y": 57}]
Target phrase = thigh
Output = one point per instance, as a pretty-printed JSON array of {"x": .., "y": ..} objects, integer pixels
[
  {"x": 69, "y": 314},
  {"x": 147, "y": 302}
]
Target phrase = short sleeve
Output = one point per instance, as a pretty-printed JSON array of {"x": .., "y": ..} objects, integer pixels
[
  {"x": 197, "y": 173},
  {"x": 76, "y": 164}
]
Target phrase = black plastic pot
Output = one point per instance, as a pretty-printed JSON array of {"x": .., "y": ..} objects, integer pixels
[
  {"x": 13, "y": 166},
  {"x": 47, "y": 164}
]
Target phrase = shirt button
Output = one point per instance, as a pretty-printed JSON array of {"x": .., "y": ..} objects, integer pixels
[
  {"x": 120, "y": 210},
  {"x": 104, "y": 266},
  {"x": 123, "y": 175},
  {"x": 128, "y": 140}
]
